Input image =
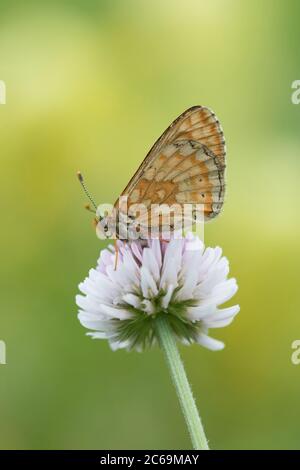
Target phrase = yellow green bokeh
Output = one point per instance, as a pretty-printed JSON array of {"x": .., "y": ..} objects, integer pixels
[{"x": 90, "y": 86}]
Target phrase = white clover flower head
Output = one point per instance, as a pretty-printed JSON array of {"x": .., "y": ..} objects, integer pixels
[{"x": 180, "y": 279}]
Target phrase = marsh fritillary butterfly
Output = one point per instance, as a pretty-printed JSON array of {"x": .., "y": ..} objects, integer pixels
[{"x": 186, "y": 165}]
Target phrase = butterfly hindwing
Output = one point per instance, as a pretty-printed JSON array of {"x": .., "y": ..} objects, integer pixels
[{"x": 185, "y": 165}]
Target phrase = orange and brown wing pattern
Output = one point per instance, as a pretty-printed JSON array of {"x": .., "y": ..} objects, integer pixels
[{"x": 185, "y": 165}]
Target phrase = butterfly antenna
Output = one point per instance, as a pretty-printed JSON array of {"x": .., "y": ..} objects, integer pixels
[{"x": 81, "y": 181}]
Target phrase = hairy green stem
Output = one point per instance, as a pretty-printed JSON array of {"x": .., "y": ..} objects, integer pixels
[{"x": 183, "y": 389}]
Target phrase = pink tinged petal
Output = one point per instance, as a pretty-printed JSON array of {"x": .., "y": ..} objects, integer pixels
[
  {"x": 150, "y": 262},
  {"x": 103, "y": 283},
  {"x": 218, "y": 323},
  {"x": 101, "y": 268},
  {"x": 224, "y": 291},
  {"x": 210, "y": 343},
  {"x": 87, "y": 287},
  {"x": 163, "y": 246},
  {"x": 217, "y": 255},
  {"x": 92, "y": 322},
  {"x": 148, "y": 285},
  {"x": 200, "y": 312},
  {"x": 169, "y": 274},
  {"x": 217, "y": 272},
  {"x": 207, "y": 260},
  {"x": 147, "y": 306},
  {"x": 225, "y": 313},
  {"x": 89, "y": 304},
  {"x": 171, "y": 264},
  {"x": 156, "y": 248},
  {"x": 122, "y": 246},
  {"x": 214, "y": 314},
  {"x": 132, "y": 300},
  {"x": 193, "y": 244},
  {"x": 131, "y": 266},
  {"x": 215, "y": 275},
  {"x": 94, "y": 301},
  {"x": 137, "y": 251},
  {"x": 189, "y": 256},
  {"x": 96, "y": 335},
  {"x": 117, "y": 276},
  {"x": 222, "y": 266},
  {"x": 222, "y": 317},
  {"x": 122, "y": 277},
  {"x": 102, "y": 292},
  {"x": 174, "y": 251},
  {"x": 165, "y": 300},
  {"x": 106, "y": 258},
  {"x": 188, "y": 278},
  {"x": 115, "y": 345},
  {"x": 119, "y": 313}
]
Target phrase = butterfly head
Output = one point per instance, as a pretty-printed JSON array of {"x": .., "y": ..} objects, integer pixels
[{"x": 105, "y": 227}]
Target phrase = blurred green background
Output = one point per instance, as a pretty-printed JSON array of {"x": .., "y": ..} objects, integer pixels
[{"x": 90, "y": 86}]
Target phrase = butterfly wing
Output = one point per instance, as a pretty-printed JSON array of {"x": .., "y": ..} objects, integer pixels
[{"x": 185, "y": 165}]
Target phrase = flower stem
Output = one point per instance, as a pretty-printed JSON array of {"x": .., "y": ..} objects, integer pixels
[{"x": 183, "y": 389}]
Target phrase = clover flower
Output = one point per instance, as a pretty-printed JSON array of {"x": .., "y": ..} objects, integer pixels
[{"x": 179, "y": 280}]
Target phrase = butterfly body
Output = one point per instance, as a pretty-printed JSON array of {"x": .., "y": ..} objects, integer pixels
[{"x": 186, "y": 166}]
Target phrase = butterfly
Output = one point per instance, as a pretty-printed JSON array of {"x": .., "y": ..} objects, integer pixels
[{"x": 185, "y": 166}]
